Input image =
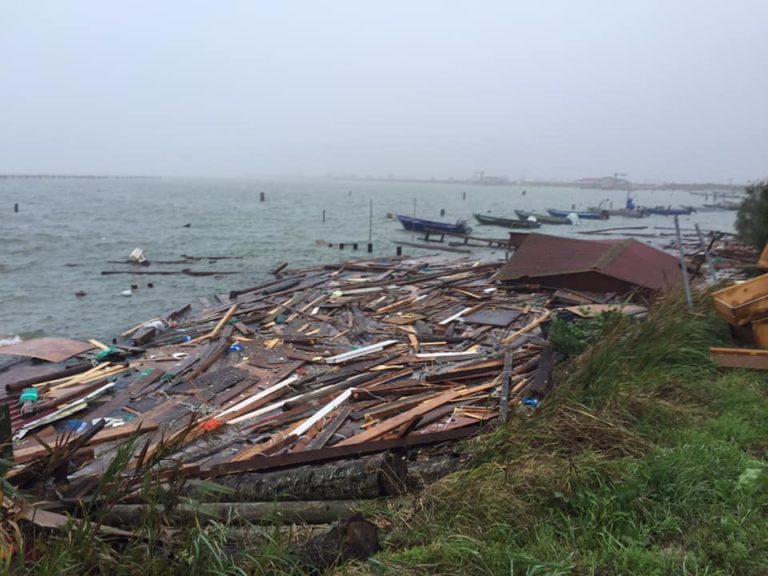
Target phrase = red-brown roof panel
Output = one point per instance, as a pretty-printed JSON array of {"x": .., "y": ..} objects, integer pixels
[{"x": 541, "y": 256}]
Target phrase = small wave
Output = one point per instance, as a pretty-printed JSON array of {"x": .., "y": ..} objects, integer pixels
[{"x": 9, "y": 340}]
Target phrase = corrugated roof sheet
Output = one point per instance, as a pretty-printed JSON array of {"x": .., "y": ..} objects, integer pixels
[{"x": 541, "y": 256}]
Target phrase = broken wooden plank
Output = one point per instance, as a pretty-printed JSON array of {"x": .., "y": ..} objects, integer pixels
[{"x": 740, "y": 358}]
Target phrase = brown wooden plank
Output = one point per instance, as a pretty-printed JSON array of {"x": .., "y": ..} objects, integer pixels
[
  {"x": 740, "y": 358},
  {"x": 327, "y": 433},
  {"x": 337, "y": 452},
  {"x": 392, "y": 423}
]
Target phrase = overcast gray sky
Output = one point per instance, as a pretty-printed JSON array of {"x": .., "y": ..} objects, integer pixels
[{"x": 666, "y": 89}]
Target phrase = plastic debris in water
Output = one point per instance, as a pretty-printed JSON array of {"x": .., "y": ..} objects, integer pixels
[
  {"x": 29, "y": 395},
  {"x": 137, "y": 256},
  {"x": 106, "y": 352}
]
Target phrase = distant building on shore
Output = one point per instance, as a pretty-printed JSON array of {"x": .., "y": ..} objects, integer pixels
[
  {"x": 482, "y": 178},
  {"x": 605, "y": 183}
]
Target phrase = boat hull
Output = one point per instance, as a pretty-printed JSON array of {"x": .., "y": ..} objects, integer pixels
[
  {"x": 542, "y": 218},
  {"x": 602, "y": 215},
  {"x": 420, "y": 225},
  {"x": 505, "y": 222},
  {"x": 624, "y": 212}
]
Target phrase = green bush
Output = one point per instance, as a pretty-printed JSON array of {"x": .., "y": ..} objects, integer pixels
[
  {"x": 752, "y": 219},
  {"x": 572, "y": 338}
]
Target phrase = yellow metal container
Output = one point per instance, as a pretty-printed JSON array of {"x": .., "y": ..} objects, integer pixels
[{"x": 743, "y": 303}]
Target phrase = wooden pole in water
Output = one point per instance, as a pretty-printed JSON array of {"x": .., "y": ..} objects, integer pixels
[
  {"x": 16, "y": 207},
  {"x": 262, "y": 196},
  {"x": 323, "y": 215},
  {"x": 683, "y": 265},
  {"x": 370, "y": 223}
]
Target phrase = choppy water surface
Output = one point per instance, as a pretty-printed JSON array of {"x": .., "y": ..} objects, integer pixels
[{"x": 67, "y": 230}]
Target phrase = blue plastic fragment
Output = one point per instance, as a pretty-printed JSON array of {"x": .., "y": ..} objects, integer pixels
[
  {"x": 529, "y": 401},
  {"x": 236, "y": 348},
  {"x": 73, "y": 425}
]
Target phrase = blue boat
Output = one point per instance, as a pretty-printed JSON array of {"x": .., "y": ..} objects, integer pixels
[
  {"x": 421, "y": 225},
  {"x": 669, "y": 211},
  {"x": 589, "y": 215}
]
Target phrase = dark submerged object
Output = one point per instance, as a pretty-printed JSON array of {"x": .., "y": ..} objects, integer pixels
[
  {"x": 586, "y": 215},
  {"x": 669, "y": 211}
]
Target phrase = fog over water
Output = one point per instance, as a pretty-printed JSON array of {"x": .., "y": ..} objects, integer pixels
[{"x": 555, "y": 89}]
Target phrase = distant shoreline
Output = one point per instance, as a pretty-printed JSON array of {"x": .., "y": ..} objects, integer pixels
[
  {"x": 704, "y": 186},
  {"x": 73, "y": 177}
]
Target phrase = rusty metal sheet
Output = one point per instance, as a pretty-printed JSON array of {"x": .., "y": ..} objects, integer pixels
[
  {"x": 501, "y": 318},
  {"x": 50, "y": 349}
]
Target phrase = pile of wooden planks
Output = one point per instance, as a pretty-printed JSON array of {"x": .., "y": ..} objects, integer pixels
[
  {"x": 744, "y": 305},
  {"x": 318, "y": 366}
]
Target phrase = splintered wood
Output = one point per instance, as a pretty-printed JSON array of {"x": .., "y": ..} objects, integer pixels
[{"x": 321, "y": 364}]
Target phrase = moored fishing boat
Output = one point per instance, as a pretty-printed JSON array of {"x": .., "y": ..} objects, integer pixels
[
  {"x": 623, "y": 212},
  {"x": 587, "y": 215},
  {"x": 505, "y": 222},
  {"x": 542, "y": 218},
  {"x": 421, "y": 225}
]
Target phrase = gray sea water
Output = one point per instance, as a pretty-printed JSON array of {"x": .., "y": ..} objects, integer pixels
[{"x": 67, "y": 230}]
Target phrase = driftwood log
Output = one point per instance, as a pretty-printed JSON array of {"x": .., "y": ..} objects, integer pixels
[
  {"x": 306, "y": 512},
  {"x": 424, "y": 472},
  {"x": 363, "y": 478}
]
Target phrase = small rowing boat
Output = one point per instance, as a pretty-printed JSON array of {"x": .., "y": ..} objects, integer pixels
[
  {"x": 421, "y": 225},
  {"x": 623, "y": 212},
  {"x": 588, "y": 215},
  {"x": 505, "y": 222},
  {"x": 542, "y": 218}
]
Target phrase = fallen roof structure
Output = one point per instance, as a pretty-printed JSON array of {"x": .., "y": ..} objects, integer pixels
[{"x": 618, "y": 266}]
